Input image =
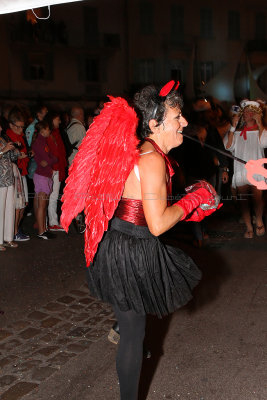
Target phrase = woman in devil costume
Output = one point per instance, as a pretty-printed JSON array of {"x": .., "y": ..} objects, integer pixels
[{"x": 117, "y": 175}]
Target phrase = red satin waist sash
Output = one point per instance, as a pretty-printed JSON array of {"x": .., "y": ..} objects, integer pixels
[{"x": 131, "y": 210}]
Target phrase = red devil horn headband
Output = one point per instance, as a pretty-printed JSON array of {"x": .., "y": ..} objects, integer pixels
[
  {"x": 172, "y": 85},
  {"x": 168, "y": 87}
]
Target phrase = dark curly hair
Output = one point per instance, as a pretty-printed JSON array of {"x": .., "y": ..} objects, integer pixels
[
  {"x": 38, "y": 127},
  {"x": 15, "y": 115},
  {"x": 149, "y": 105},
  {"x": 41, "y": 125}
]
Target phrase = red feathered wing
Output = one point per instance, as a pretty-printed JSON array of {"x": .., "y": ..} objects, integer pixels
[{"x": 99, "y": 170}]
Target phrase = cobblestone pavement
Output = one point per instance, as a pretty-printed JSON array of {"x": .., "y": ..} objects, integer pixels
[
  {"x": 227, "y": 230},
  {"x": 33, "y": 348}
]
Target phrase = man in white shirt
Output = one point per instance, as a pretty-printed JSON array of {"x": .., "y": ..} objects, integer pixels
[{"x": 75, "y": 131}]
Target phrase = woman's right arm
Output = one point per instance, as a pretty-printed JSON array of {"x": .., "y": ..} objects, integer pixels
[
  {"x": 6, "y": 147},
  {"x": 229, "y": 138}
]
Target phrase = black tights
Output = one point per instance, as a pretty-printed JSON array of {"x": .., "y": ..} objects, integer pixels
[{"x": 130, "y": 351}]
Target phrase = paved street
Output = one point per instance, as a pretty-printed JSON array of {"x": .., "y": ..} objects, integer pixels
[{"x": 53, "y": 335}]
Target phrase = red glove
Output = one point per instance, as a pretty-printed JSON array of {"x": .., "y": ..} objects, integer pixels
[
  {"x": 199, "y": 214},
  {"x": 200, "y": 201}
]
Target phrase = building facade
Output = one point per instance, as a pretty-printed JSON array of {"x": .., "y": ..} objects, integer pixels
[{"x": 91, "y": 48}]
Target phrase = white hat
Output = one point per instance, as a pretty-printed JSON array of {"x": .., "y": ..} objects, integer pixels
[{"x": 248, "y": 103}]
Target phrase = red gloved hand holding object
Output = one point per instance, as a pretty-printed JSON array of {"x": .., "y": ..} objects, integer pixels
[{"x": 200, "y": 201}]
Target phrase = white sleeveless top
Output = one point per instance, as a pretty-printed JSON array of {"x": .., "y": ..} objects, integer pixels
[{"x": 136, "y": 169}]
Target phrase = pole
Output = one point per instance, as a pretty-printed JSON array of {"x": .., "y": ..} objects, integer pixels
[{"x": 225, "y": 153}]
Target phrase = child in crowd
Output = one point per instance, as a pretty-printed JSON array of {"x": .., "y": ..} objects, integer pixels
[
  {"x": 42, "y": 178},
  {"x": 40, "y": 114}
]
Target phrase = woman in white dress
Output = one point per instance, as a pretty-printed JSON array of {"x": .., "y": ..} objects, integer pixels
[{"x": 248, "y": 142}]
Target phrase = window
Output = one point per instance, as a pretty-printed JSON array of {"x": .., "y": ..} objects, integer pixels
[
  {"x": 38, "y": 67},
  {"x": 176, "y": 68},
  {"x": 37, "y": 72},
  {"x": 92, "y": 69},
  {"x": 176, "y": 74},
  {"x": 260, "y": 26},
  {"x": 206, "y": 25},
  {"x": 262, "y": 81},
  {"x": 177, "y": 22},
  {"x": 146, "y": 17},
  {"x": 233, "y": 25},
  {"x": 112, "y": 40},
  {"x": 206, "y": 72},
  {"x": 91, "y": 25},
  {"x": 145, "y": 71}
]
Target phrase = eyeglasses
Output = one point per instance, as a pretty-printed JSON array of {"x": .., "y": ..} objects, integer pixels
[{"x": 18, "y": 126}]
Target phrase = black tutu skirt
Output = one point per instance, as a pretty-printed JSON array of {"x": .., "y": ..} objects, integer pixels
[{"x": 133, "y": 270}]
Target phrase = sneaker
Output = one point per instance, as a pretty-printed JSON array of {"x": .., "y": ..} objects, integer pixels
[
  {"x": 46, "y": 235},
  {"x": 56, "y": 228},
  {"x": 79, "y": 226},
  {"x": 21, "y": 237},
  {"x": 20, "y": 231}
]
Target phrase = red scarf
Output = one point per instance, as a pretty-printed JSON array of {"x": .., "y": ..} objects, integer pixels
[
  {"x": 248, "y": 128},
  {"x": 57, "y": 148},
  {"x": 22, "y": 163}
]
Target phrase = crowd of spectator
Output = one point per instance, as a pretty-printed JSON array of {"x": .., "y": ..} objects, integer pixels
[
  {"x": 241, "y": 131},
  {"x": 36, "y": 149}
]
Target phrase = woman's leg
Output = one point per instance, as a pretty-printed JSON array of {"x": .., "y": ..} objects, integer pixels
[
  {"x": 35, "y": 207},
  {"x": 243, "y": 197},
  {"x": 258, "y": 208},
  {"x": 130, "y": 351},
  {"x": 41, "y": 201},
  {"x": 25, "y": 189},
  {"x": 19, "y": 219}
]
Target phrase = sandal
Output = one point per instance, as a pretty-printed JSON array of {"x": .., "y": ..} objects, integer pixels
[
  {"x": 2, "y": 248},
  {"x": 248, "y": 235},
  {"x": 260, "y": 230},
  {"x": 10, "y": 244}
]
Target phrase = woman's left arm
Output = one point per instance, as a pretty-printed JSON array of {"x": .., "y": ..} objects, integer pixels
[{"x": 258, "y": 120}]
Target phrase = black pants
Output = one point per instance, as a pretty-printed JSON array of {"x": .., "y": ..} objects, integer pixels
[{"x": 130, "y": 351}]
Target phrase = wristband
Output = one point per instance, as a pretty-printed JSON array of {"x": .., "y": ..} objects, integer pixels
[{"x": 232, "y": 129}]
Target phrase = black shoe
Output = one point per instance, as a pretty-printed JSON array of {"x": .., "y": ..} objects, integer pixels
[
  {"x": 116, "y": 327},
  {"x": 79, "y": 224},
  {"x": 146, "y": 353},
  {"x": 46, "y": 235}
]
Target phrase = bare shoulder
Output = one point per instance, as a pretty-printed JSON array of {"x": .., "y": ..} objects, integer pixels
[
  {"x": 152, "y": 169},
  {"x": 153, "y": 159}
]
